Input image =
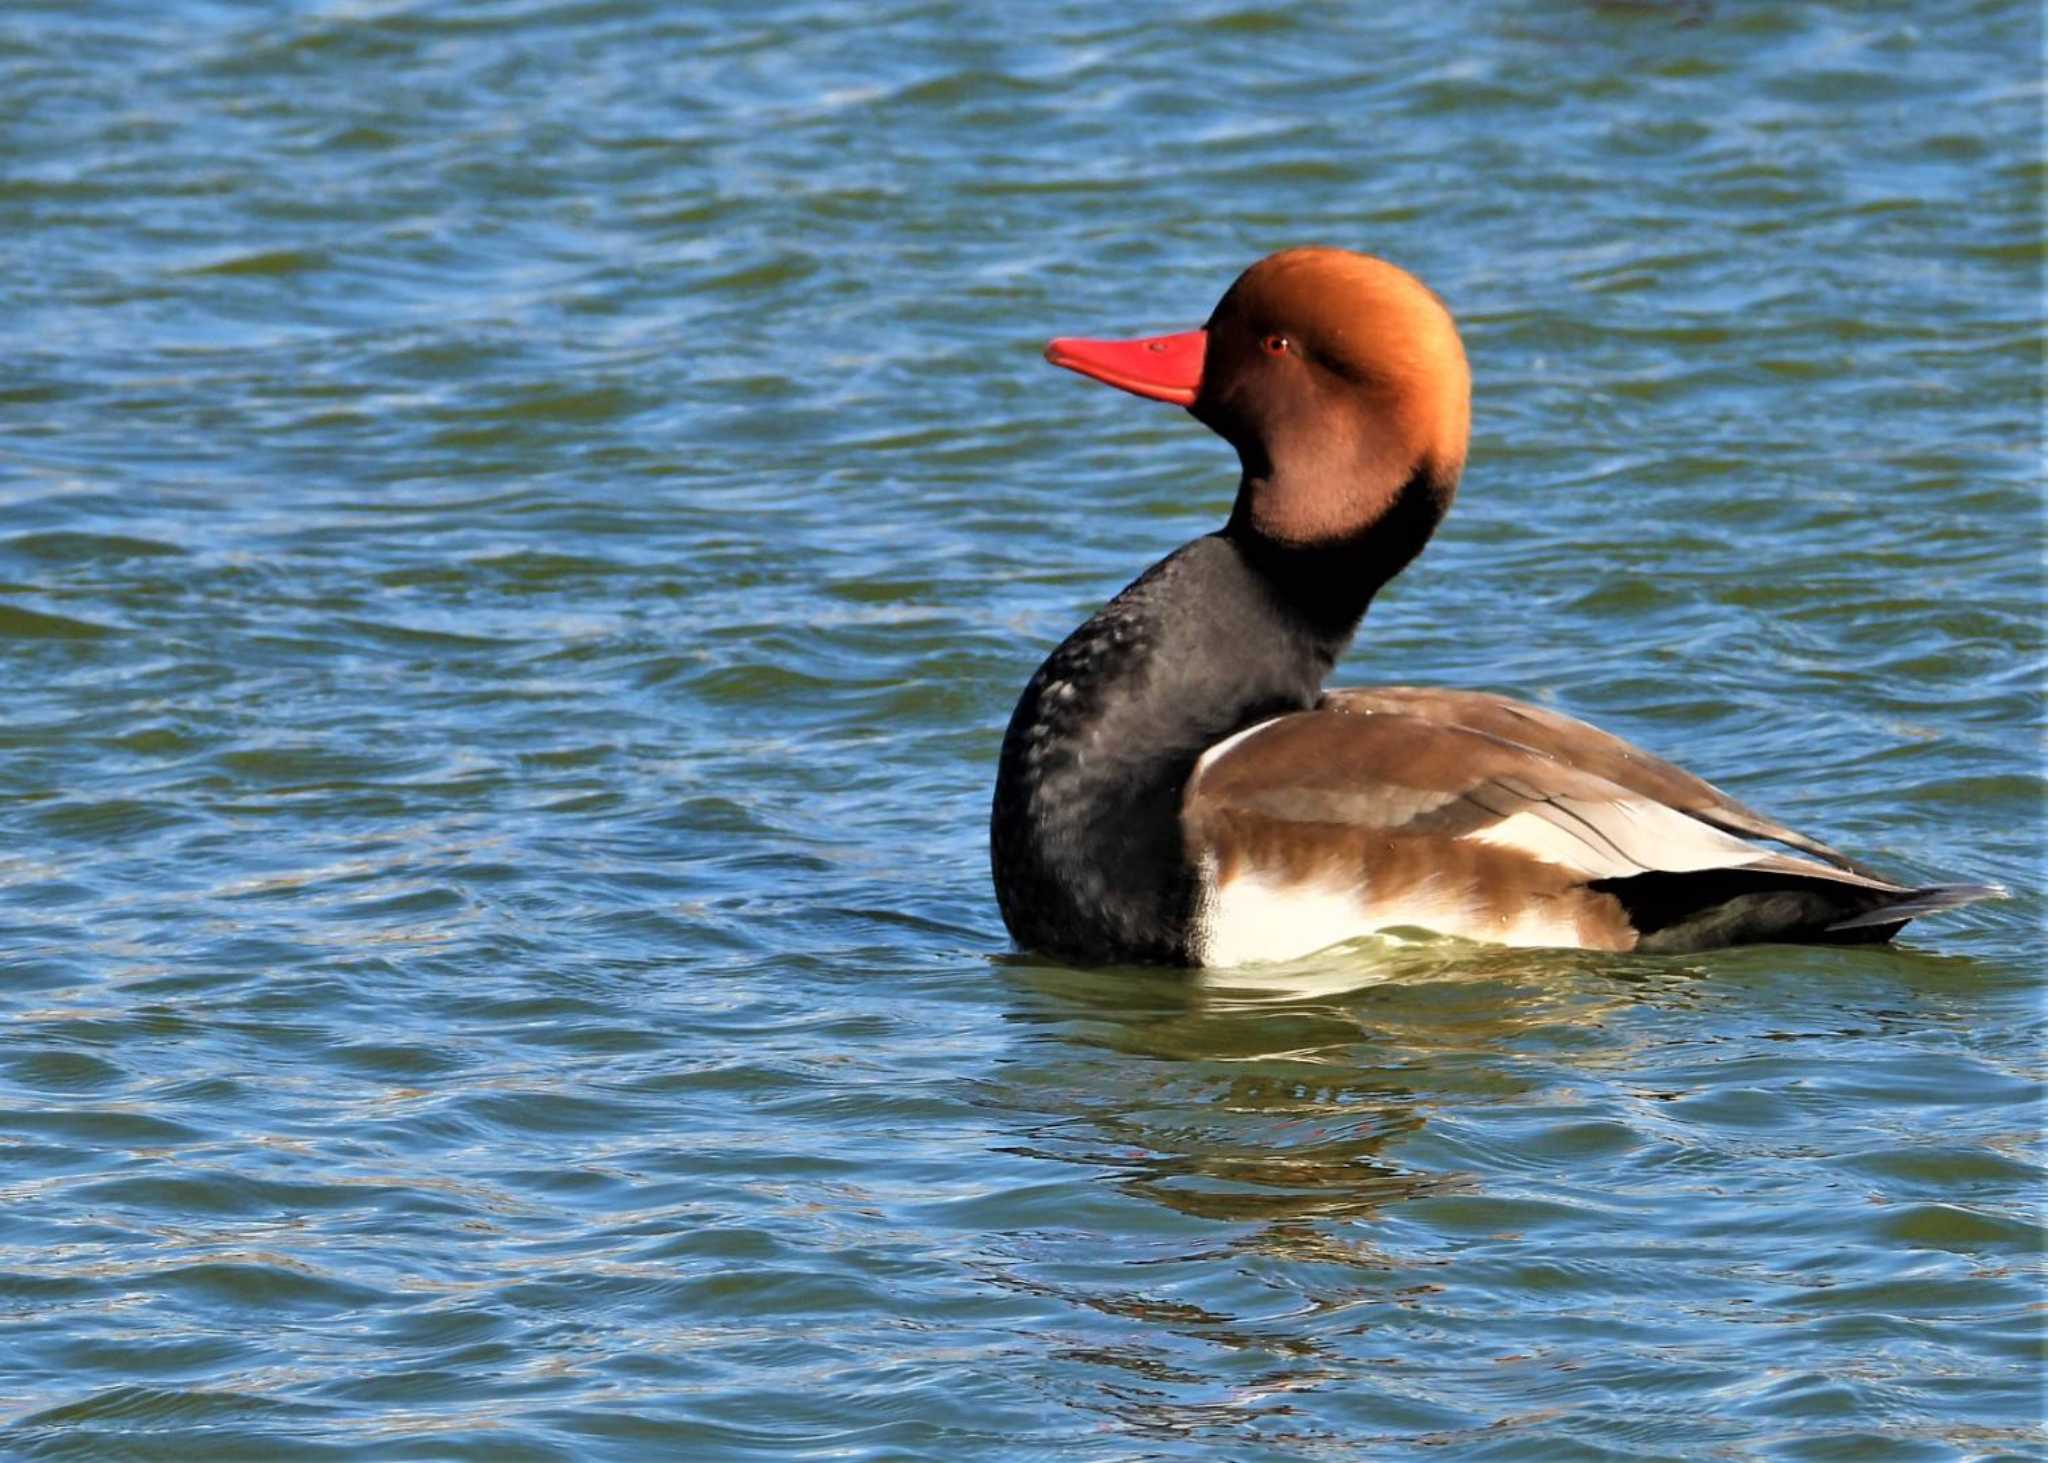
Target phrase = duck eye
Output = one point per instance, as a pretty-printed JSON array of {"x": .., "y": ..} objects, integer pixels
[{"x": 1276, "y": 345}]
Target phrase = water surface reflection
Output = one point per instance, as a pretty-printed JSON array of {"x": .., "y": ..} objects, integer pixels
[
  {"x": 1273, "y": 1095},
  {"x": 1302, "y": 1175}
]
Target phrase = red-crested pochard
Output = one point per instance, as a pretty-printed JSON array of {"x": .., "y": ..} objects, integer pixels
[{"x": 1177, "y": 787}]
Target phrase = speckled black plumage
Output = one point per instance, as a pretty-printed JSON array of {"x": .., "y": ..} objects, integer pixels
[{"x": 1085, "y": 837}]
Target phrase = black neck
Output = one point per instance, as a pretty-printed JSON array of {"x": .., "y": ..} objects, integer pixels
[
  {"x": 1331, "y": 585},
  {"x": 1086, "y": 835}
]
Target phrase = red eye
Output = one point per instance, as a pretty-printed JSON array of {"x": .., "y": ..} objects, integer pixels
[{"x": 1276, "y": 345}]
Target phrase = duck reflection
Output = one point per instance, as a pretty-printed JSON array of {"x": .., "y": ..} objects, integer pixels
[
  {"x": 1242, "y": 1144},
  {"x": 1281, "y": 1095}
]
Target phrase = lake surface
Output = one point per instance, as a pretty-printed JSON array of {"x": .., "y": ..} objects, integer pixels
[{"x": 521, "y": 525}]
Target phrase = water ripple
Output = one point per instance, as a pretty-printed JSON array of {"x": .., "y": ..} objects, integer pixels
[{"x": 525, "y": 522}]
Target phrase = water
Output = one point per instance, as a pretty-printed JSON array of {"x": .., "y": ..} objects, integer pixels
[{"x": 520, "y": 527}]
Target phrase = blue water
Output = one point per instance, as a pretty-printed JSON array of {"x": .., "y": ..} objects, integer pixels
[{"x": 521, "y": 525}]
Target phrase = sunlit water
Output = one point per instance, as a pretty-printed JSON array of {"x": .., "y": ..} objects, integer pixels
[{"x": 520, "y": 527}]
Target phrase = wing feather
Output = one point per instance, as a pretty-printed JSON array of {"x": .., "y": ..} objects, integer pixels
[
  {"x": 1478, "y": 816},
  {"x": 1587, "y": 747},
  {"x": 1402, "y": 773}
]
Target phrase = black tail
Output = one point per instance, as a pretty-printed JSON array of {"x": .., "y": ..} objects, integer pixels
[
  {"x": 1913, "y": 903},
  {"x": 1711, "y": 909}
]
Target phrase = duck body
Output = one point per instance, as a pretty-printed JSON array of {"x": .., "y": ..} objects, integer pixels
[{"x": 1176, "y": 787}]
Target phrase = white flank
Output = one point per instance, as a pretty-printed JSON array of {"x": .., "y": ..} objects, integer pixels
[
  {"x": 1251, "y": 921},
  {"x": 1532, "y": 929}
]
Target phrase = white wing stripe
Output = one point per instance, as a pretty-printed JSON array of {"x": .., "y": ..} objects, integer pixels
[
  {"x": 1638, "y": 835},
  {"x": 1202, "y": 764}
]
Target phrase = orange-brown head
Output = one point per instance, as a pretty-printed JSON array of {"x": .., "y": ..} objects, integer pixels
[{"x": 1342, "y": 384}]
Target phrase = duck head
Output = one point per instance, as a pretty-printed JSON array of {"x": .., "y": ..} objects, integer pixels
[{"x": 1342, "y": 384}]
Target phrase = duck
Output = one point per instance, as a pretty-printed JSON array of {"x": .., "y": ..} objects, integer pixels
[{"x": 1177, "y": 787}]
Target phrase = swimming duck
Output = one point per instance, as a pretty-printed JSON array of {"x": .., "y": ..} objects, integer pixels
[{"x": 1176, "y": 786}]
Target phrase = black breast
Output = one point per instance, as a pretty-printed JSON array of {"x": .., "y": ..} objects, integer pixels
[{"x": 1085, "y": 838}]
